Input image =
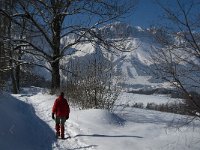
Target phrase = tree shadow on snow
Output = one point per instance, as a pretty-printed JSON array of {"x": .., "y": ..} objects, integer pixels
[
  {"x": 84, "y": 147},
  {"x": 102, "y": 135},
  {"x": 21, "y": 128}
]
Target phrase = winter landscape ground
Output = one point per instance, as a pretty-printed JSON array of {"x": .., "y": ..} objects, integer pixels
[{"x": 27, "y": 125}]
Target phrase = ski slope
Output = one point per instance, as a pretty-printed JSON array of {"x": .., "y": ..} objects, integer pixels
[{"x": 26, "y": 123}]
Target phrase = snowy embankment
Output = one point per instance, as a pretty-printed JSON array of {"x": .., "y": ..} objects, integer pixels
[
  {"x": 127, "y": 128},
  {"x": 20, "y": 128}
]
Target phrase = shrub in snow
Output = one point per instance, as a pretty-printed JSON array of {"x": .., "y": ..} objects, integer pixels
[
  {"x": 91, "y": 85},
  {"x": 138, "y": 105}
]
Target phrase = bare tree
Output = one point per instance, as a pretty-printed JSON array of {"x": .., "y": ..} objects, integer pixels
[
  {"x": 51, "y": 20},
  {"x": 93, "y": 85},
  {"x": 3, "y": 26},
  {"x": 7, "y": 69},
  {"x": 177, "y": 57},
  {"x": 11, "y": 54}
]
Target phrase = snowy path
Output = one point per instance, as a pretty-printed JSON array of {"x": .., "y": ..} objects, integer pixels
[{"x": 42, "y": 104}]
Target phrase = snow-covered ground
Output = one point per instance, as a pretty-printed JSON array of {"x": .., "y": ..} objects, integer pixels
[
  {"x": 26, "y": 124},
  {"x": 131, "y": 98}
]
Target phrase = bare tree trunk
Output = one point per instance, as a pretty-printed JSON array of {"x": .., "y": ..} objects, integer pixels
[
  {"x": 12, "y": 71},
  {"x": 14, "y": 83},
  {"x": 55, "y": 82},
  {"x": 56, "y": 27},
  {"x": 17, "y": 74}
]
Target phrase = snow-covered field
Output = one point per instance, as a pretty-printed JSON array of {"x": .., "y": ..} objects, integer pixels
[
  {"x": 130, "y": 99},
  {"x": 26, "y": 124}
]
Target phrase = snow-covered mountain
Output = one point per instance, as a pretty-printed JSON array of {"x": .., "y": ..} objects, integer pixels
[
  {"x": 134, "y": 66},
  {"x": 118, "y": 30}
]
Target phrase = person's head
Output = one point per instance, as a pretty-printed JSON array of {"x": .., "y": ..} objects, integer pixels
[{"x": 62, "y": 94}]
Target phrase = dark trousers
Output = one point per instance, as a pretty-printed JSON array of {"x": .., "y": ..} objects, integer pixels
[{"x": 60, "y": 126}]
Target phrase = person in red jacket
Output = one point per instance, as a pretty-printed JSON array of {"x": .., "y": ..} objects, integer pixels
[{"x": 61, "y": 111}]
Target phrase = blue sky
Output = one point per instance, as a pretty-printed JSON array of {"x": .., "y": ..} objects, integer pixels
[
  {"x": 148, "y": 13},
  {"x": 145, "y": 14}
]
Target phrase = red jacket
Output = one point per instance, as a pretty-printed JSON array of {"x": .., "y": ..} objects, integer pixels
[{"x": 61, "y": 107}]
